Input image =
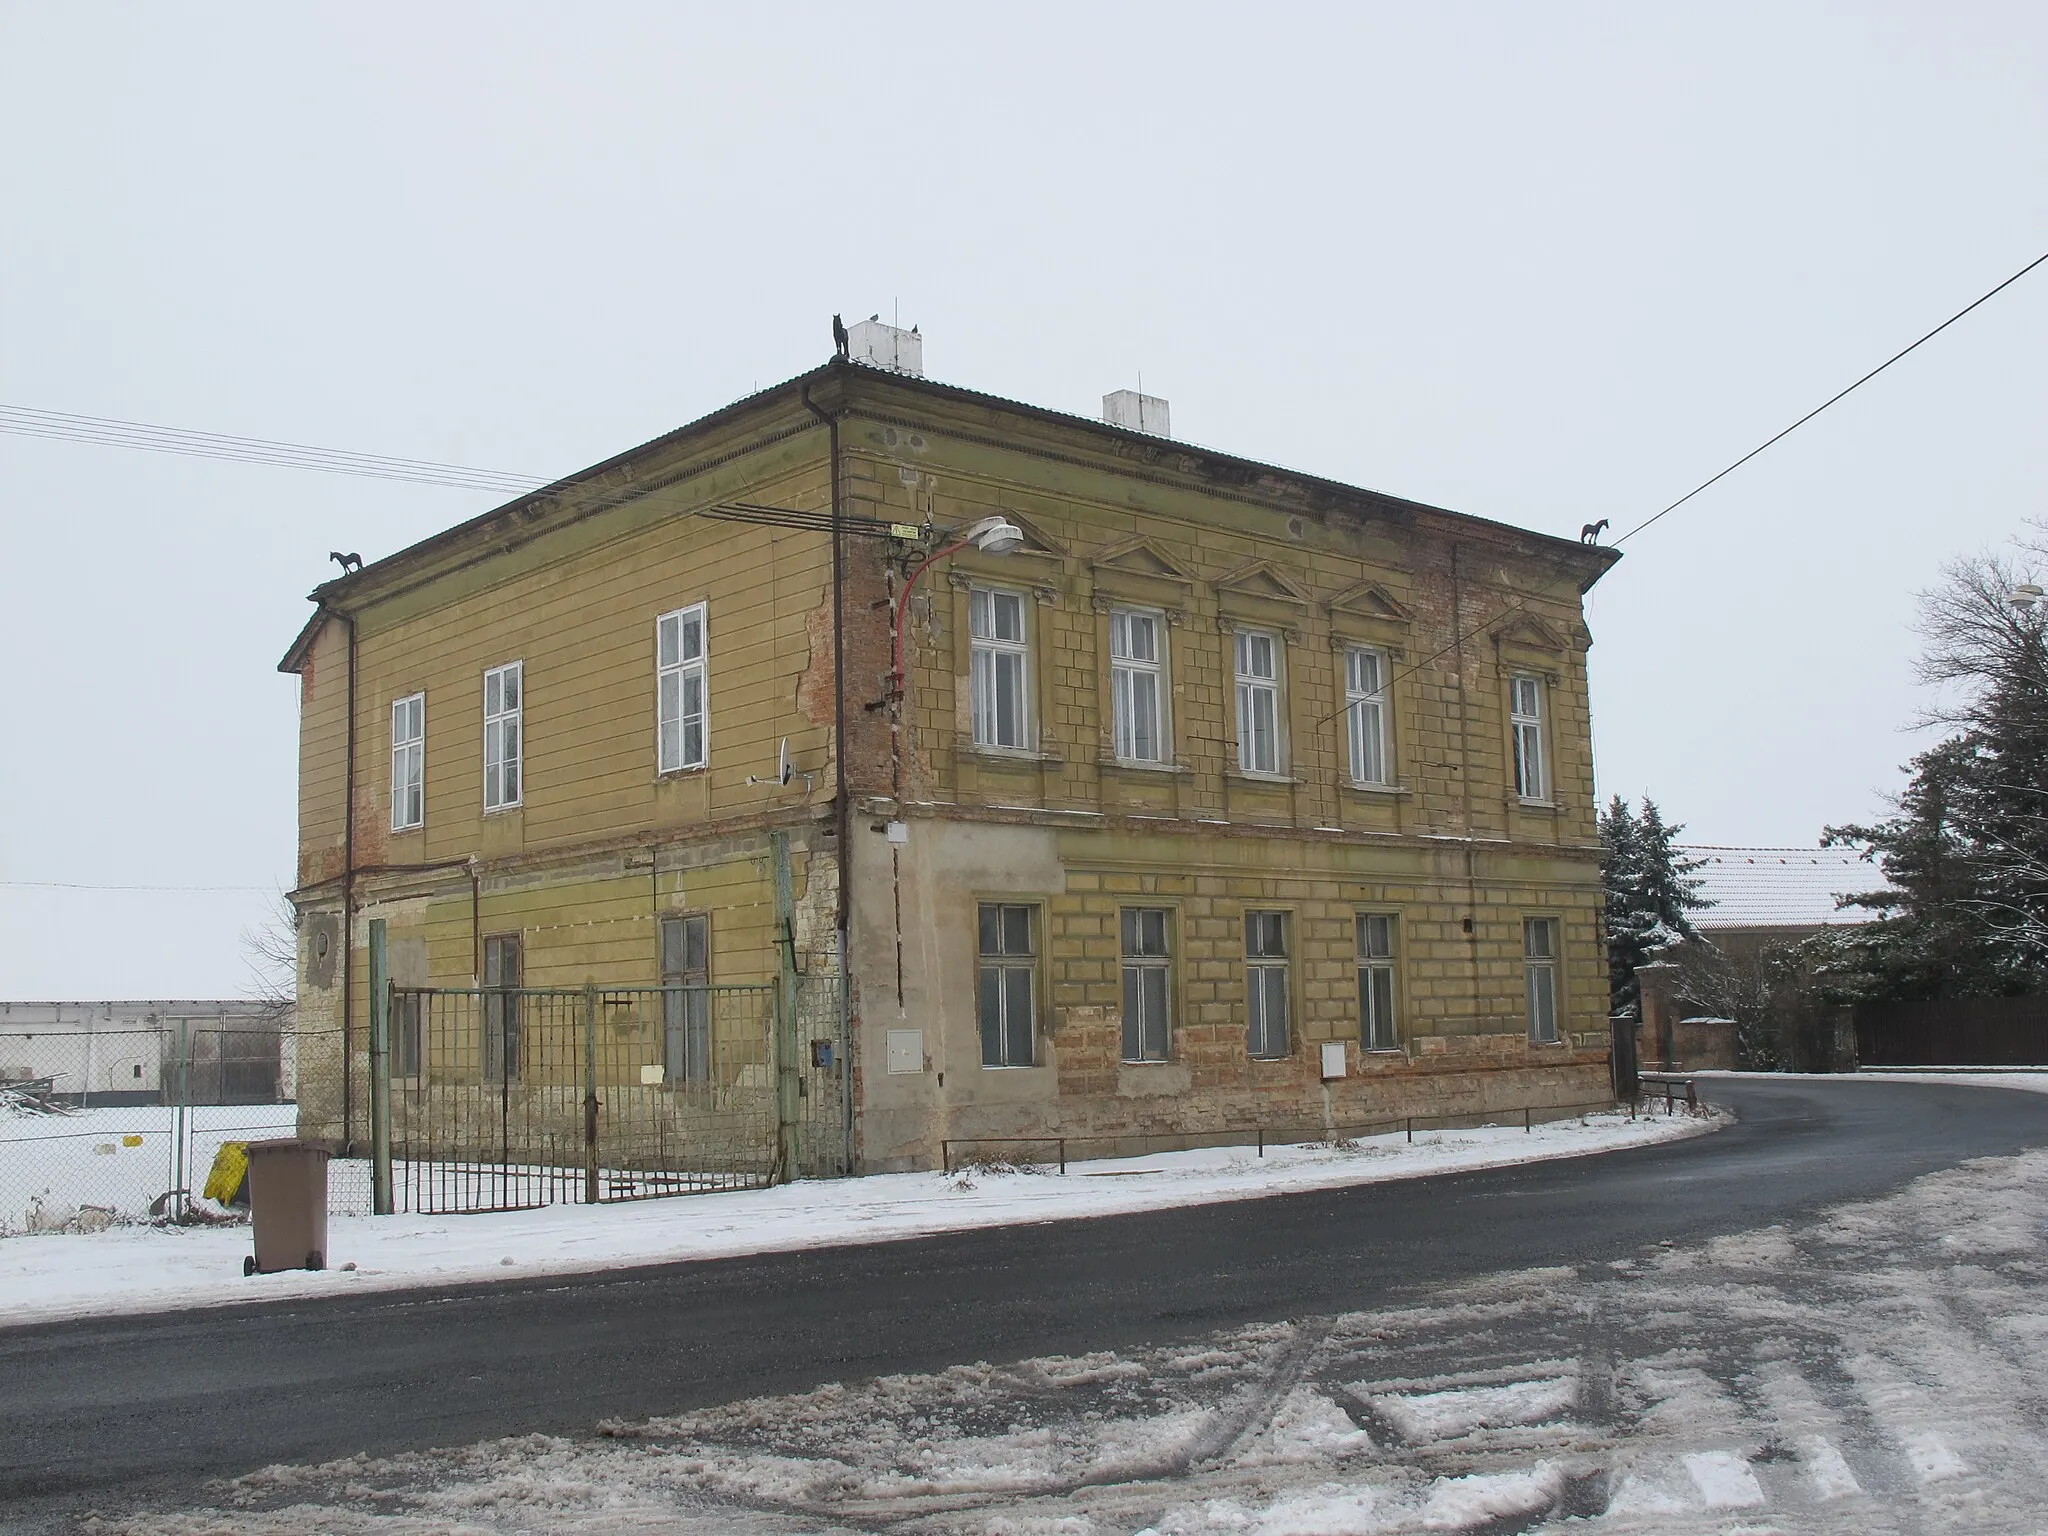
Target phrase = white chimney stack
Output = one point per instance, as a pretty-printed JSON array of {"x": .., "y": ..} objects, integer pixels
[
  {"x": 1137, "y": 413},
  {"x": 883, "y": 346}
]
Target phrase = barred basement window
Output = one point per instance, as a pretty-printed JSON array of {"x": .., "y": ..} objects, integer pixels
[
  {"x": 686, "y": 999},
  {"x": 408, "y": 762},
  {"x": 1135, "y": 689},
  {"x": 1376, "y": 1031},
  {"x": 1265, "y": 947},
  {"x": 1539, "y": 969},
  {"x": 501, "y": 1008},
  {"x": 1145, "y": 968},
  {"x": 1009, "y": 972}
]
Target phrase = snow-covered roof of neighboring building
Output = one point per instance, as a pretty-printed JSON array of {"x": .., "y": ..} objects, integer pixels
[{"x": 1780, "y": 887}]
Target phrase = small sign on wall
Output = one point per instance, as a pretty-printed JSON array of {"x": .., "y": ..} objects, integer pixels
[
  {"x": 906, "y": 1050},
  {"x": 1333, "y": 1060}
]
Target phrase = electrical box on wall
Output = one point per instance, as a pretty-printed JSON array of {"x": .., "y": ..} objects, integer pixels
[
  {"x": 1333, "y": 1060},
  {"x": 906, "y": 1050}
]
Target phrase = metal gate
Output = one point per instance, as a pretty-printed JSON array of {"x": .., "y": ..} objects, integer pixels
[{"x": 508, "y": 1098}]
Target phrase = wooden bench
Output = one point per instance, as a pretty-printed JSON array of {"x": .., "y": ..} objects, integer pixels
[{"x": 1672, "y": 1085}]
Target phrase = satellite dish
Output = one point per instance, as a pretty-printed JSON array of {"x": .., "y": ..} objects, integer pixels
[{"x": 782, "y": 768}]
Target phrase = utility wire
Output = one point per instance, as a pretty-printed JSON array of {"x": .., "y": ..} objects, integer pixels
[
  {"x": 1802, "y": 421},
  {"x": 68, "y": 885}
]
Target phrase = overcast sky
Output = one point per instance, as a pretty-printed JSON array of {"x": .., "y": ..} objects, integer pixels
[{"x": 1546, "y": 264}]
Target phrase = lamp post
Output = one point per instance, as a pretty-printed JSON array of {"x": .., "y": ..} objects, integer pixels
[
  {"x": 992, "y": 536},
  {"x": 2024, "y": 596}
]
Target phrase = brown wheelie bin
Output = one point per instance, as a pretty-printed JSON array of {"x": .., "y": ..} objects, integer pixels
[{"x": 287, "y": 1206}]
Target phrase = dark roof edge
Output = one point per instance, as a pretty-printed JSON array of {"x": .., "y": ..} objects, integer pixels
[{"x": 1600, "y": 558}]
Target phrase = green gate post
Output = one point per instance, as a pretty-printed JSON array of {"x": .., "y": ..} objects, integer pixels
[
  {"x": 380, "y": 1072},
  {"x": 787, "y": 1082},
  {"x": 590, "y": 1093}
]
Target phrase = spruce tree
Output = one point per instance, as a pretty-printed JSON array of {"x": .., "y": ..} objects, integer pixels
[{"x": 1651, "y": 890}]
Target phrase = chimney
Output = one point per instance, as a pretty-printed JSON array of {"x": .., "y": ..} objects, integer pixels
[
  {"x": 883, "y": 346},
  {"x": 1137, "y": 413}
]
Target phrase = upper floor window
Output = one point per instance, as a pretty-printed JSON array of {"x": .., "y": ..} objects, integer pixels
[
  {"x": 1146, "y": 957},
  {"x": 1134, "y": 686},
  {"x": 1009, "y": 970},
  {"x": 1000, "y": 659},
  {"x": 1376, "y": 982},
  {"x": 504, "y": 714},
  {"x": 1526, "y": 694},
  {"x": 1266, "y": 987},
  {"x": 679, "y": 689},
  {"x": 408, "y": 762},
  {"x": 1539, "y": 973},
  {"x": 1365, "y": 697},
  {"x": 1258, "y": 701}
]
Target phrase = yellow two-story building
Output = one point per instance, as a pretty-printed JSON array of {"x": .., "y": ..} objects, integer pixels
[{"x": 1135, "y": 790}]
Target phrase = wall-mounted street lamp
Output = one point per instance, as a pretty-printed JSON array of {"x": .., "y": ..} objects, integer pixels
[{"x": 992, "y": 536}]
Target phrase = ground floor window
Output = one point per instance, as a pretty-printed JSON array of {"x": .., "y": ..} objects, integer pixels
[
  {"x": 1145, "y": 960},
  {"x": 686, "y": 999},
  {"x": 501, "y": 1008},
  {"x": 1266, "y": 986},
  {"x": 1539, "y": 966},
  {"x": 1376, "y": 1030},
  {"x": 407, "y": 1057},
  {"x": 1009, "y": 980}
]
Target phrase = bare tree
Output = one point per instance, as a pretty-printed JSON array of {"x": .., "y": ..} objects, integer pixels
[{"x": 270, "y": 949}]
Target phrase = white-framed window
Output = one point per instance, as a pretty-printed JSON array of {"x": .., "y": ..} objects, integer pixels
[
  {"x": 1539, "y": 969},
  {"x": 681, "y": 740},
  {"x": 1365, "y": 699},
  {"x": 1266, "y": 990},
  {"x": 1000, "y": 661},
  {"x": 1526, "y": 716},
  {"x": 1258, "y": 701},
  {"x": 408, "y": 762},
  {"x": 504, "y": 717},
  {"x": 1136, "y": 685},
  {"x": 1146, "y": 951},
  {"x": 1008, "y": 982},
  {"x": 1376, "y": 1031}
]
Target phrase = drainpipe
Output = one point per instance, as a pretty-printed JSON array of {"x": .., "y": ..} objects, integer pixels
[
  {"x": 843, "y": 817},
  {"x": 348, "y": 908}
]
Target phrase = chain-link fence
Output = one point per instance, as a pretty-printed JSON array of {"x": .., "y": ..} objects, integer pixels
[{"x": 113, "y": 1126}]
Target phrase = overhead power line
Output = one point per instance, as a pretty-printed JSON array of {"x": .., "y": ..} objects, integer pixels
[
  {"x": 1802, "y": 421},
  {"x": 28, "y": 421},
  {"x": 73, "y": 885}
]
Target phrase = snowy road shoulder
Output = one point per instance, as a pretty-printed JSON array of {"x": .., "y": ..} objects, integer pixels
[{"x": 131, "y": 1270}]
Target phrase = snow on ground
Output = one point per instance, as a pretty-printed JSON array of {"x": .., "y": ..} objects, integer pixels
[
  {"x": 1874, "y": 1371},
  {"x": 112, "y": 1164},
  {"x": 147, "y": 1269}
]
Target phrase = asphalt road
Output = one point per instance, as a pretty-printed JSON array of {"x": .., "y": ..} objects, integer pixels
[{"x": 138, "y": 1411}]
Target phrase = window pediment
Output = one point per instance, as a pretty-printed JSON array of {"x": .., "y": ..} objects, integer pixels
[
  {"x": 1139, "y": 569},
  {"x": 1259, "y": 589},
  {"x": 1369, "y": 612}
]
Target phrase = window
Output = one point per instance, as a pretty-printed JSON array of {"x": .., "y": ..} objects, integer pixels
[
  {"x": 1145, "y": 960},
  {"x": 408, "y": 762},
  {"x": 1134, "y": 686},
  {"x": 1365, "y": 697},
  {"x": 504, "y": 709},
  {"x": 996, "y": 621},
  {"x": 1527, "y": 712},
  {"x": 1258, "y": 702},
  {"x": 1376, "y": 983},
  {"x": 501, "y": 1008},
  {"x": 1009, "y": 968},
  {"x": 1265, "y": 948},
  {"x": 1539, "y": 967},
  {"x": 686, "y": 999},
  {"x": 679, "y": 689},
  {"x": 405, "y": 1039}
]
